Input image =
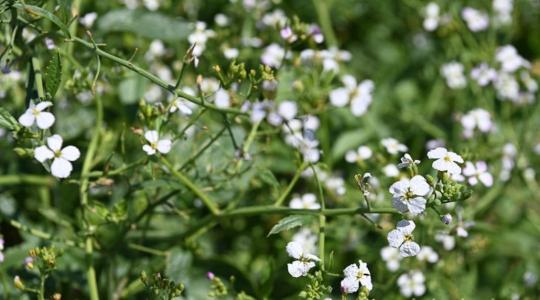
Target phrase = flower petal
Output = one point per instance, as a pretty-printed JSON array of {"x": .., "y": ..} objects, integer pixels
[
  {"x": 419, "y": 186},
  {"x": 294, "y": 250},
  {"x": 417, "y": 206},
  {"x": 437, "y": 153},
  {"x": 42, "y": 153},
  {"x": 409, "y": 248},
  {"x": 61, "y": 168},
  {"x": 339, "y": 97},
  {"x": 71, "y": 153},
  {"x": 349, "y": 285},
  {"x": 55, "y": 142},
  {"x": 164, "y": 146},
  {"x": 151, "y": 136},
  {"x": 45, "y": 120},
  {"x": 406, "y": 226},
  {"x": 149, "y": 150},
  {"x": 27, "y": 119},
  {"x": 43, "y": 105},
  {"x": 395, "y": 238}
]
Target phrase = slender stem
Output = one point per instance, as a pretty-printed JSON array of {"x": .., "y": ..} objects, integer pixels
[
  {"x": 270, "y": 209},
  {"x": 148, "y": 250},
  {"x": 323, "y": 14},
  {"x": 83, "y": 193},
  {"x": 203, "y": 149},
  {"x": 322, "y": 218},
  {"x": 41, "y": 234},
  {"x": 41, "y": 294},
  {"x": 247, "y": 144},
  {"x": 117, "y": 171},
  {"x": 27, "y": 179},
  {"x": 36, "y": 64},
  {"x": 211, "y": 204},
  {"x": 157, "y": 80},
  {"x": 291, "y": 185}
]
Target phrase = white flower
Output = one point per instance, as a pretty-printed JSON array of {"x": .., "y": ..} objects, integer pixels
[
  {"x": 88, "y": 19},
  {"x": 181, "y": 105},
  {"x": 151, "y": 4},
  {"x": 503, "y": 11},
  {"x": 402, "y": 238},
  {"x": 288, "y": 110},
  {"x": 476, "y": 20},
  {"x": 478, "y": 173},
  {"x": 356, "y": 275},
  {"x": 507, "y": 87},
  {"x": 307, "y": 201},
  {"x": 230, "y": 53},
  {"x": 408, "y": 195},
  {"x": 199, "y": 37},
  {"x": 392, "y": 258},
  {"x": 273, "y": 55},
  {"x": 275, "y": 19},
  {"x": 362, "y": 153},
  {"x": 462, "y": 226},
  {"x": 412, "y": 283},
  {"x": 445, "y": 160},
  {"x": 407, "y": 161},
  {"x": 391, "y": 170},
  {"x": 304, "y": 261},
  {"x": 221, "y": 20},
  {"x": 335, "y": 184},
  {"x": 453, "y": 73},
  {"x": 427, "y": 254},
  {"x": 476, "y": 118},
  {"x": 358, "y": 95},
  {"x": 222, "y": 98},
  {"x": 35, "y": 113},
  {"x": 62, "y": 157},
  {"x": 448, "y": 241},
  {"x": 432, "y": 18},
  {"x": 483, "y": 74},
  {"x": 509, "y": 58},
  {"x": 156, "y": 49},
  {"x": 155, "y": 144},
  {"x": 393, "y": 146}
]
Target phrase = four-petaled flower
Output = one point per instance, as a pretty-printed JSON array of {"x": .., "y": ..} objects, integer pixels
[
  {"x": 445, "y": 160},
  {"x": 36, "y": 113},
  {"x": 392, "y": 258},
  {"x": 61, "y": 166},
  {"x": 356, "y": 275},
  {"x": 304, "y": 261},
  {"x": 402, "y": 238},
  {"x": 393, "y": 146},
  {"x": 155, "y": 144},
  {"x": 408, "y": 195}
]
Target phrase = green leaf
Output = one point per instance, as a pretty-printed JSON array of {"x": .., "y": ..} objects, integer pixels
[
  {"x": 7, "y": 121},
  {"x": 178, "y": 265},
  {"x": 5, "y": 5},
  {"x": 131, "y": 89},
  {"x": 268, "y": 177},
  {"x": 151, "y": 25},
  {"x": 53, "y": 74},
  {"x": 38, "y": 11},
  {"x": 290, "y": 222}
]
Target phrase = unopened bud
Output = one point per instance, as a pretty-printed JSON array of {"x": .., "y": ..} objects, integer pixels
[
  {"x": 18, "y": 283},
  {"x": 446, "y": 219}
]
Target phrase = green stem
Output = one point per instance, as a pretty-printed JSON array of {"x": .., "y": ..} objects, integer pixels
[
  {"x": 211, "y": 204},
  {"x": 322, "y": 218},
  {"x": 323, "y": 14},
  {"x": 41, "y": 294},
  {"x": 41, "y": 234},
  {"x": 291, "y": 185},
  {"x": 157, "y": 80},
  {"x": 27, "y": 179},
  {"x": 148, "y": 250},
  {"x": 270, "y": 209},
  {"x": 36, "y": 64},
  {"x": 83, "y": 192}
]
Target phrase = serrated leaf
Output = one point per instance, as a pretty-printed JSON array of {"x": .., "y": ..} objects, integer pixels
[
  {"x": 53, "y": 74},
  {"x": 7, "y": 121},
  {"x": 290, "y": 222},
  {"x": 152, "y": 25},
  {"x": 268, "y": 177}
]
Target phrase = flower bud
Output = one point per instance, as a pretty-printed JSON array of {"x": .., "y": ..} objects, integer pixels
[
  {"x": 18, "y": 283},
  {"x": 446, "y": 219}
]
